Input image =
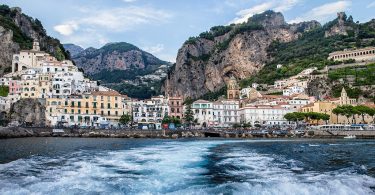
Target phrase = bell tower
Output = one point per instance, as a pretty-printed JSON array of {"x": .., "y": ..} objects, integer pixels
[
  {"x": 233, "y": 89},
  {"x": 36, "y": 45}
]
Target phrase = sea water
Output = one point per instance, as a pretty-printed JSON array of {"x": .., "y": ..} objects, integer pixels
[{"x": 190, "y": 166}]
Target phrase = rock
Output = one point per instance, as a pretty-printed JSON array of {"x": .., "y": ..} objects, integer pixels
[
  {"x": 201, "y": 67},
  {"x": 28, "y": 112},
  {"x": 341, "y": 27},
  {"x": 174, "y": 136}
]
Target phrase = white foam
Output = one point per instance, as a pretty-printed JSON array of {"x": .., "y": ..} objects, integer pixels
[{"x": 174, "y": 168}]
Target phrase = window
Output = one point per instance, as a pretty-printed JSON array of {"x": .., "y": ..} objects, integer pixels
[
  {"x": 87, "y": 104},
  {"x": 109, "y": 112},
  {"x": 79, "y": 111},
  {"x": 72, "y": 104},
  {"x": 101, "y": 105},
  {"x": 87, "y": 111},
  {"x": 79, "y": 104},
  {"x": 116, "y": 113},
  {"x": 65, "y": 111},
  {"x": 72, "y": 111},
  {"x": 94, "y": 104},
  {"x": 116, "y": 105},
  {"x": 109, "y": 105}
]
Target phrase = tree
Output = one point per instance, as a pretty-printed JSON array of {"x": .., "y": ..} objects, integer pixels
[
  {"x": 324, "y": 117},
  {"x": 338, "y": 111},
  {"x": 290, "y": 116},
  {"x": 189, "y": 115},
  {"x": 125, "y": 119},
  {"x": 166, "y": 120},
  {"x": 175, "y": 120},
  {"x": 347, "y": 111},
  {"x": 362, "y": 110},
  {"x": 371, "y": 112}
]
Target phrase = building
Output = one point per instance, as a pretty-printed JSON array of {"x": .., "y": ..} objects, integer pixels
[
  {"x": 176, "y": 107},
  {"x": 265, "y": 114},
  {"x": 99, "y": 109},
  {"x": 29, "y": 58},
  {"x": 15, "y": 87},
  {"x": 233, "y": 90},
  {"x": 362, "y": 54},
  {"x": 150, "y": 113},
  {"x": 293, "y": 90},
  {"x": 226, "y": 113},
  {"x": 328, "y": 105},
  {"x": 203, "y": 113}
]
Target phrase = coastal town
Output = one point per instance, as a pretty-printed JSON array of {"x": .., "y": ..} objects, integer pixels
[{"x": 71, "y": 100}]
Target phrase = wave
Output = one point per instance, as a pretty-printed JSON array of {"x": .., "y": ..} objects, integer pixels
[{"x": 176, "y": 168}]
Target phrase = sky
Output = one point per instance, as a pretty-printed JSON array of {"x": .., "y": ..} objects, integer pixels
[{"x": 162, "y": 26}]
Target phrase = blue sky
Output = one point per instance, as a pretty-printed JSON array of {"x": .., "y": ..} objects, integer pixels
[{"x": 161, "y": 26}]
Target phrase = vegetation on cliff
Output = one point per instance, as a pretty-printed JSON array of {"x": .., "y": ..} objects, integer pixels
[
  {"x": 311, "y": 50},
  {"x": 52, "y": 45}
]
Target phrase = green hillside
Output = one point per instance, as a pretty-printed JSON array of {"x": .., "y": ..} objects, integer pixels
[{"x": 311, "y": 50}]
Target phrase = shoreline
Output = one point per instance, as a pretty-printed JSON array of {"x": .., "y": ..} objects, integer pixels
[{"x": 21, "y": 132}]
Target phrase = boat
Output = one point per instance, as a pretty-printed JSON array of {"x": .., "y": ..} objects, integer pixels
[{"x": 350, "y": 137}]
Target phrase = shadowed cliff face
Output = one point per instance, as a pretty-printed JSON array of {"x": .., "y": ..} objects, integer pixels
[{"x": 205, "y": 64}]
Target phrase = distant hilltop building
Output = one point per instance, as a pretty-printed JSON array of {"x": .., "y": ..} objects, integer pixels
[{"x": 363, "y": 54}]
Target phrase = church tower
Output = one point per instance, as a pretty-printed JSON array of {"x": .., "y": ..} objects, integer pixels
[
  {"x": 36, "y": 45},
  {"x": 233, "y": 89}
]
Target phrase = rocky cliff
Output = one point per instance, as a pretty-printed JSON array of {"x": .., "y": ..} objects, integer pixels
[
  {"x": 115, "y": 56},
  {"x": 17, "y": 31},
  {"x": 28, "y": 112},
  {"x": 205, "y": 63},
  {"x": 124, "y": 67},
  {"x": 73, "y": 49}
]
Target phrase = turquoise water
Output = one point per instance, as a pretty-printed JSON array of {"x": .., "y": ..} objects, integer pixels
[{"x": 149, "y": 166}]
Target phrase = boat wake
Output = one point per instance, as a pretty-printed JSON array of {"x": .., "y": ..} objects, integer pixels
[{"x": 196, "y": 167}]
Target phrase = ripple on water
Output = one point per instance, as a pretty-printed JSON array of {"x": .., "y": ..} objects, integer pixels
[{"x": 195, "y": 167}]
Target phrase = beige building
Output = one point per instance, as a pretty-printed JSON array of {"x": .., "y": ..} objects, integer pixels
[
  {"x": 101, "y": 108},
  {"x": 29, "y": 58},
  {"x": 327, "y": 107},
  {"x": 233, "y": 91},
  {"x": 363, "y": 54}
]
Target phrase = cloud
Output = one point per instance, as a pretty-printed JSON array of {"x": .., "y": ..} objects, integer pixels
[
  {"x": 129, "y": 1},
  {"x": 66, "y": 29},
  {"x": 86, "y": 38},
  {"x": 323, "y": 12},
  {"x": 371, "y": 5},
  {"x": 114, "y": 20},
  {"x": 156, "y": 49},
  {"x": 277, "y": 5}
]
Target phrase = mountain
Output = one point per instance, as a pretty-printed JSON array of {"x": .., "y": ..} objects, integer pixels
[
  {"x": 250, "y": 51},
  {"x": 18, "y": 31},
  {"x": 73, "y": 49},
  {"x": 124, "y": 67}
]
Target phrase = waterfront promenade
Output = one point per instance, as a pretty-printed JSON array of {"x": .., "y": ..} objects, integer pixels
[{"x": 17, "y": 132}]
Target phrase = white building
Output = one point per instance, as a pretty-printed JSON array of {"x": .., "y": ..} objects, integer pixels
[
  {"x": 226, "y": 113},
  {"x": 150, "y": 112},
  {"x": 203, "y": 113},
  {"x": 265, "y": 114},
  {"x": 5, "y": 80},
  {"x": 293, "y": 90}
]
